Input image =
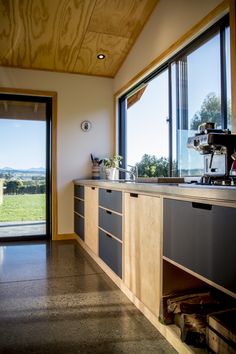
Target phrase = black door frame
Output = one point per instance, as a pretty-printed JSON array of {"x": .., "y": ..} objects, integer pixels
[{"x": 49, "y": 104}]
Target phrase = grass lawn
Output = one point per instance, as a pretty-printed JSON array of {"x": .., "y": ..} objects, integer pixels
[{"x": 27, "y": 207}]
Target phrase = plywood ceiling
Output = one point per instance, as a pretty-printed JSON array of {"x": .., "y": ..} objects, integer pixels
[{"x": 67, "y": 35}]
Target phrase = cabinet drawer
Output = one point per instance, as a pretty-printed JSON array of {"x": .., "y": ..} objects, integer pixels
[
  {"x": 110, "y": 251},
  {"x": 111, "y": 222},
  {"x": 79, "y": 225},
  {"x": 79, "y": 191},
  {"x": 201, "y": 237},
  {"x": 79, "y": 206},
  {"x": 110, "y": 199}
]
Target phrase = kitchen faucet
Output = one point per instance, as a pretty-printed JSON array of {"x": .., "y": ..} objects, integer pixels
[{"x": 133, "y": 175}]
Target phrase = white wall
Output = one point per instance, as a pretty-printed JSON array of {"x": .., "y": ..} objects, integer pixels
[
  {"x": 79, "y": 98},
  {"x": 170, "y": 20}
]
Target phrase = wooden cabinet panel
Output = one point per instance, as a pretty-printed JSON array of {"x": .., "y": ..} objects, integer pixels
[
  {"x": 142, "y": 256},
  {"x": 91, "y": 218}
]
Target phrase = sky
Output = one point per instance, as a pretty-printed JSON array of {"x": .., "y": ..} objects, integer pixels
[{"x": 22, "y": 143}]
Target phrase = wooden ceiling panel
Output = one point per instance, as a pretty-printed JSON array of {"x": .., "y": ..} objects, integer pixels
[
  {"x": 123, "y": 18},
  {"x": 114, "y": 48},
  {"x": 71, "y": 29},
  {"x": 43, "y": 34},
  {"x": 66, "y": 35}
]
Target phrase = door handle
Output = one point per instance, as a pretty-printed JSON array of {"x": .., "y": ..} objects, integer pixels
[
  {"x": 134, "y": 195},
  {"x": 201, "y": 206}
]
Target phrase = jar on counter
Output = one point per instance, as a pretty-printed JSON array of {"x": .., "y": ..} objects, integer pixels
[{"x": 95, "y": 172}]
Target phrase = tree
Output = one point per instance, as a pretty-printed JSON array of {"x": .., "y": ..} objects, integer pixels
[
  {"x": 210, "y": 112},
  {"x": 13, "y": 186},
  {"x": 151, "y": 166}
]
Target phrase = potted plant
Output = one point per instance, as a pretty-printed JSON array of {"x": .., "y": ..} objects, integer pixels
[{"x": 111, "y": 166}]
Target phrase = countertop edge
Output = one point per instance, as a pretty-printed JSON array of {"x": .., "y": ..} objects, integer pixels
[{"x": 204, "y": 193}]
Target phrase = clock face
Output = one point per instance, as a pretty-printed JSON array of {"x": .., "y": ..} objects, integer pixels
[{"x": 86, "y": 125}]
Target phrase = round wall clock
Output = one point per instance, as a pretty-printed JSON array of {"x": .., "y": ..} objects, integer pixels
[{"x": 86, "y": 125}]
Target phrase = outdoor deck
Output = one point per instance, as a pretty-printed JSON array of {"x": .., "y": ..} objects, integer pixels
[{"x": 24, "y": 228}]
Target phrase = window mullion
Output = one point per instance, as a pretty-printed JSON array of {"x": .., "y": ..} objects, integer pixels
[
  {"x": 177, "y": 108},
  {"x": 223, "y": 79},
  {"x": 170, "y": 167},
  {"x": 183, "y": 94},
  {"x": 122, "y": 130}
]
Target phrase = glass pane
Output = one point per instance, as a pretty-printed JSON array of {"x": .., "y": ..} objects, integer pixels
[
  {"x": 22, "y": 168},
  {"x": 228, "y": 78},
  {"x": 147, "y": 128},
  {"x": 199, "y": 101}
]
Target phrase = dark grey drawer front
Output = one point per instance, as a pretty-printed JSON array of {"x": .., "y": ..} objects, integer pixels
[
  {"x": 201, "y": 237},
  {"x": 110, "y": 251},
  {"x": 110, "y": 222},
  {"x": 110, "y": 199},
  {"x": 79, "y": 226},
  {"x": 79, "y": 206},
  {"x": 79, "y": 191}
]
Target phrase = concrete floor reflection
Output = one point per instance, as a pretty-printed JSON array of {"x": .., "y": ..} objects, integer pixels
[{"x": 55, "y": 299}]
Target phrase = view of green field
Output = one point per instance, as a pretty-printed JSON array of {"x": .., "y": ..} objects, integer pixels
[{"x": 27, "y": 207}]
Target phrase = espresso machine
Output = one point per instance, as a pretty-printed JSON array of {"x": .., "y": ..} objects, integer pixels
[{"x": 218, "y": 148}]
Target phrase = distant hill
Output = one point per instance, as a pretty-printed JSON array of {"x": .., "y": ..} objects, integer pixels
[
  {"x": 36, "y": 169},
  {"x": 7, "y": 169},
  {"x": 29, "y": 170}
]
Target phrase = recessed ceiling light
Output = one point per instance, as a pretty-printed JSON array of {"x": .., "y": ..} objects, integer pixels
[{"x": 101, "y": 56}]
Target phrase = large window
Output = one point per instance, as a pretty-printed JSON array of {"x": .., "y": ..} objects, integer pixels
[{"x": 162, "y": 111}]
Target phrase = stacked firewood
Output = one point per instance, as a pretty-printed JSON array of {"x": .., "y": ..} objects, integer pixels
[{"x": 189, "y": 312}]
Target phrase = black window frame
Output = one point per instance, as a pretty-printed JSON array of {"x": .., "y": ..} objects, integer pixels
[
  {"x": 48, "y": 101},
  {"x": 219, "y": 27}
]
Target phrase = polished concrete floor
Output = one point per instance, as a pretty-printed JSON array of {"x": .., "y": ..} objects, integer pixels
[{"x": 55, "y": 299}]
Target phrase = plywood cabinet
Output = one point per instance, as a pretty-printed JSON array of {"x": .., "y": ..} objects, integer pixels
[
  {"x": 91, "y": 218},
  {"x": 142, "y": 248}
]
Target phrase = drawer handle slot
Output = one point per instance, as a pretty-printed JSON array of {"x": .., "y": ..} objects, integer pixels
[
  {"x": 108, "y": 190},
  {"x": 108, "y": 212},
  {"x": 134, "y": 195},
  {"x": 201, "y": 206},
  {"x": 93, "y": 188}
]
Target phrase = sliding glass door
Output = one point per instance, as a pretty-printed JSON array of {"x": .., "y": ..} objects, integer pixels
[{"x": 25, "y": 159}]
